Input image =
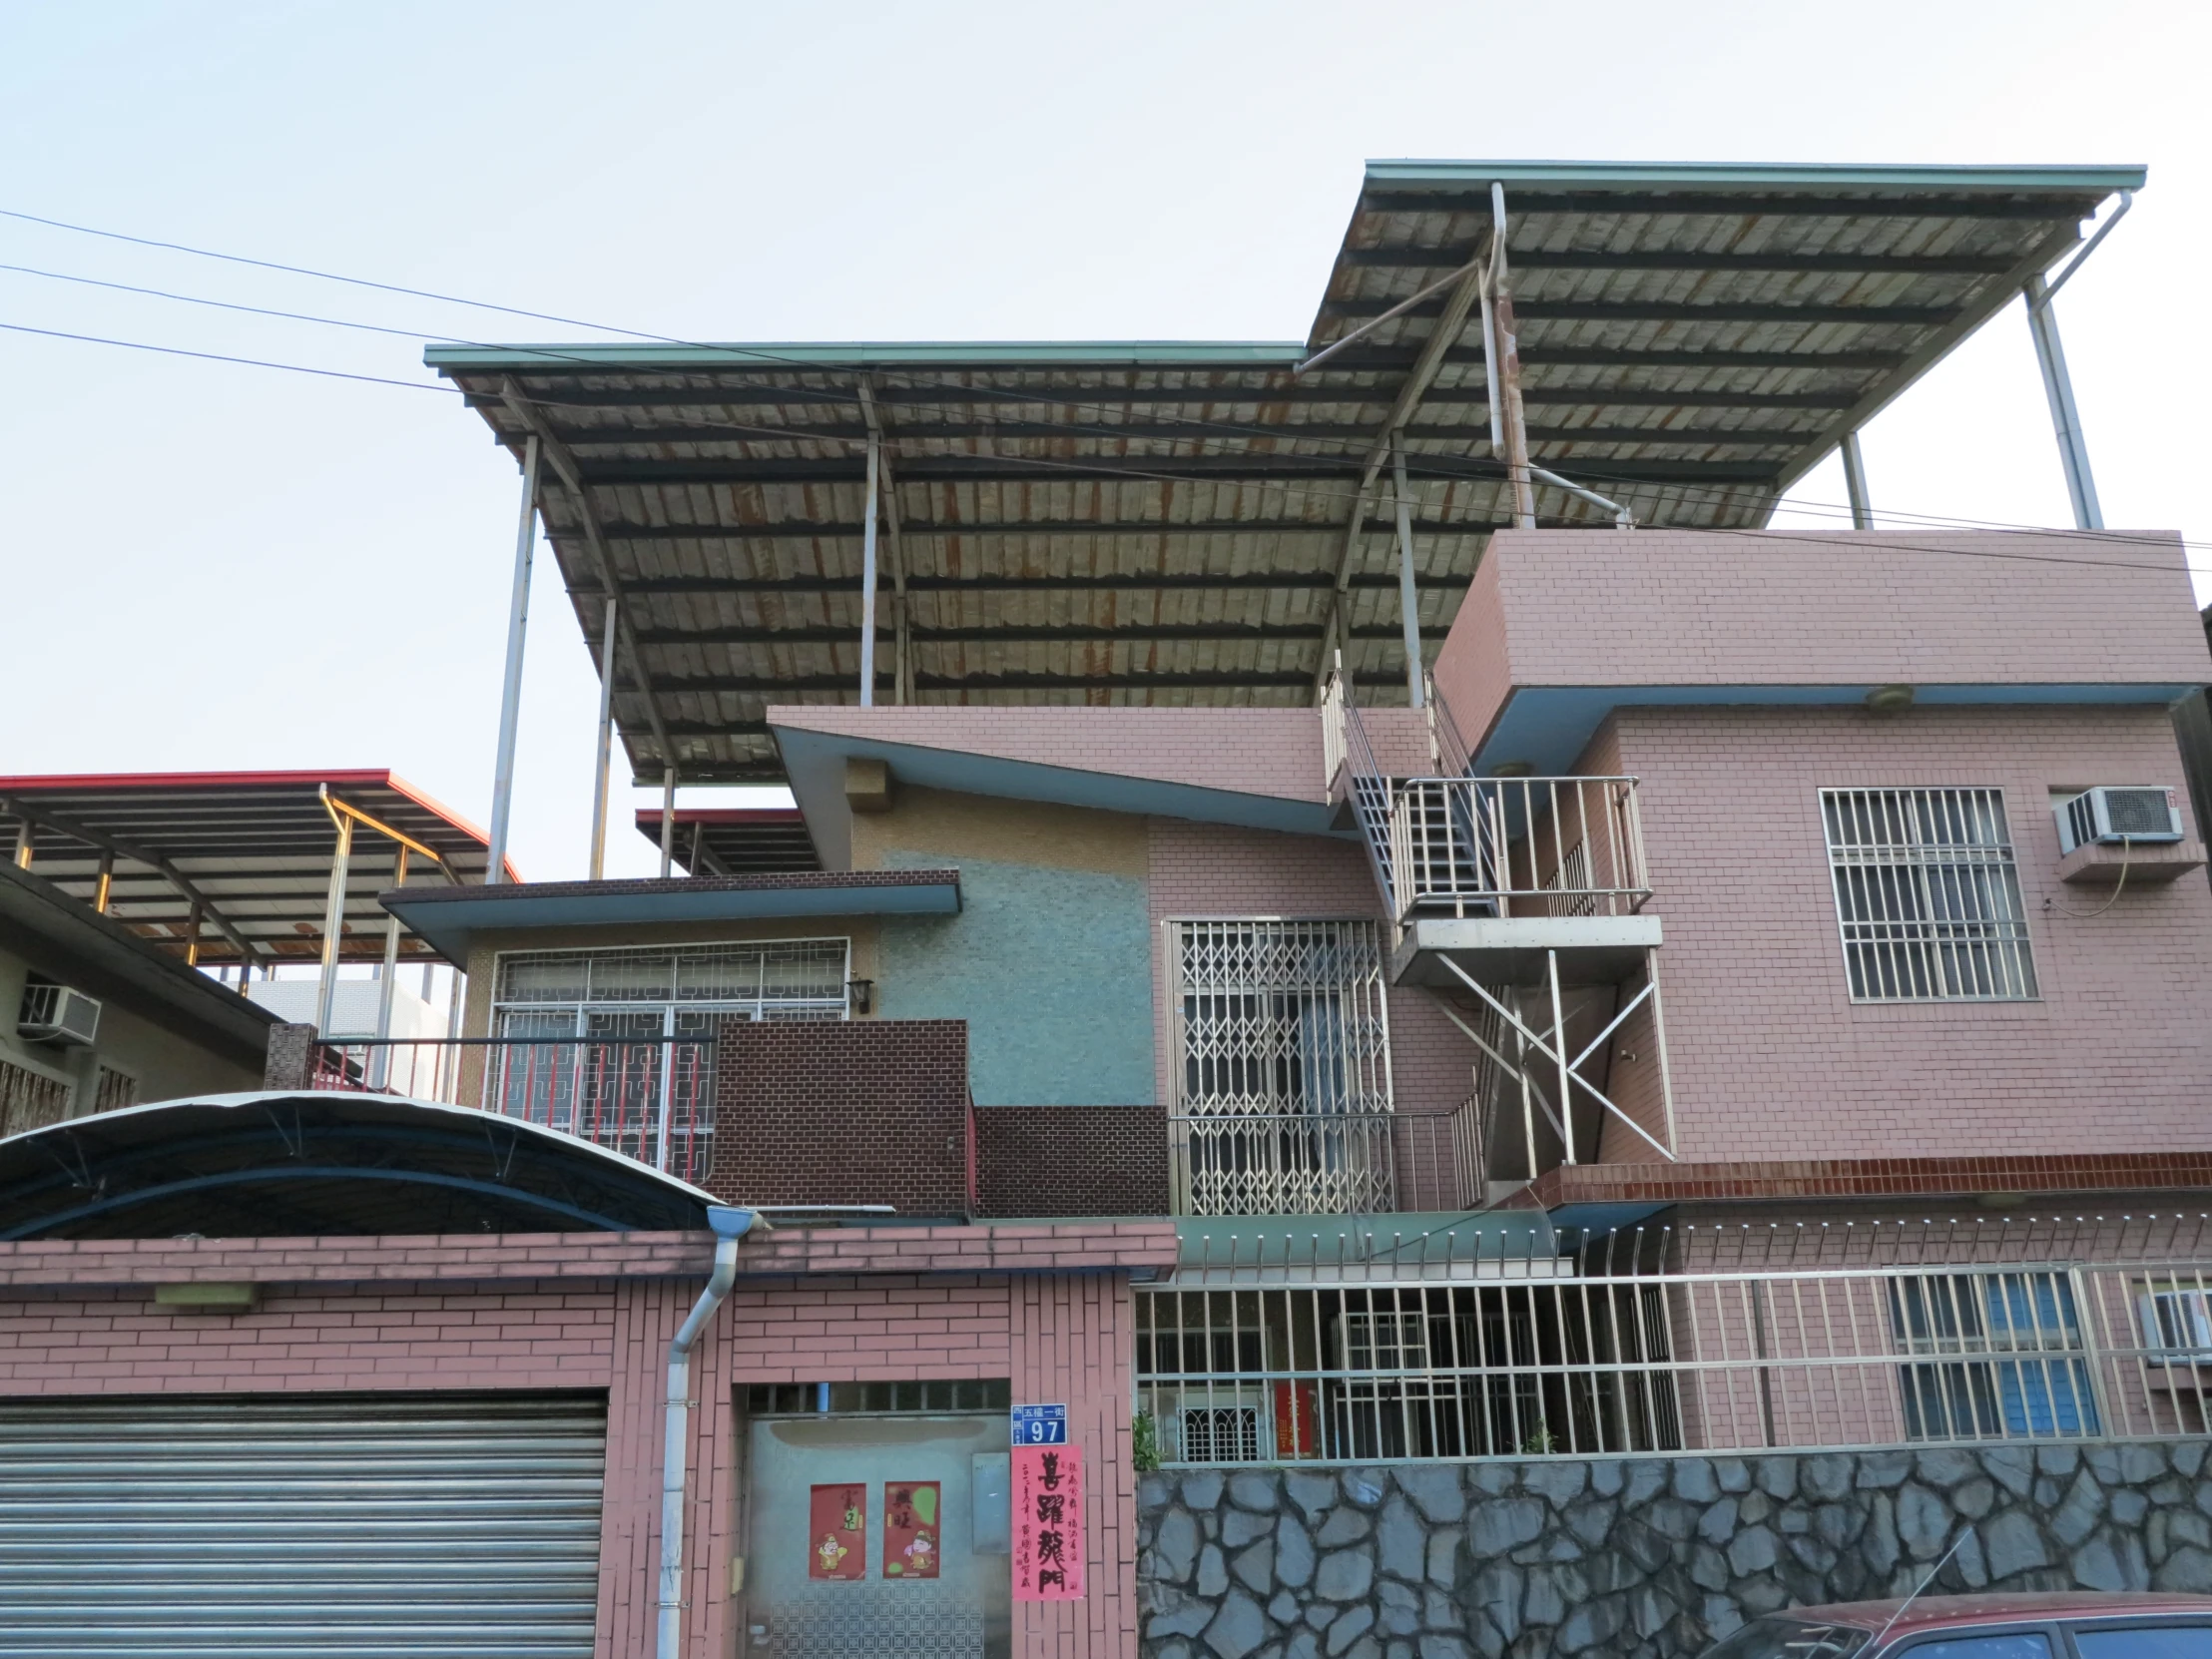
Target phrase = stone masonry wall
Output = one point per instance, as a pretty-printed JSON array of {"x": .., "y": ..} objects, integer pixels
[{"x": 1639, "y": 1558}]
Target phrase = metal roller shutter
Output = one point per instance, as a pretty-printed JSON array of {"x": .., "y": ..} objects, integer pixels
[{"x": 373, "y": 1527}]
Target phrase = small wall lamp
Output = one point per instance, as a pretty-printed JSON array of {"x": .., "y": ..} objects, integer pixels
[{"x": 862, "y": 994}]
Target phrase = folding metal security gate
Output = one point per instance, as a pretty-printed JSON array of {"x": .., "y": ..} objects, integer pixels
[{"x": 367, "y": 1526}]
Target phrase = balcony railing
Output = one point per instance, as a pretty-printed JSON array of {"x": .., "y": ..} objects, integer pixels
[
  {"x": 1309, "y": 1163},
  {"x": 1516, "y": 847},
  {"x": 651, "y": 1099}
]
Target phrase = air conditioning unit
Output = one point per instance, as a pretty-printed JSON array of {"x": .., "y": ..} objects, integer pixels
[
  {"x": 2113, "y": 817},
  {"x": 55, "y": 1015}
]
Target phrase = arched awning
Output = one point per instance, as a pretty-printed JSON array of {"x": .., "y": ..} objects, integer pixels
[{"x": 294, "y": 1165}]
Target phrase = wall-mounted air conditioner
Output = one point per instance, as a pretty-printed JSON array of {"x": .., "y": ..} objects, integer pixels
[
  {"x": 55, "y": 1015},
  {"x": 2113, "y": 815}
]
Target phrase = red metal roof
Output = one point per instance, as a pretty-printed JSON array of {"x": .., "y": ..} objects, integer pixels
[{"x": 254, "y": 846}]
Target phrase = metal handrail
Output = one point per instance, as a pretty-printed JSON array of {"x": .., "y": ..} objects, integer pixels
[{"x": 1503, "y": 846}]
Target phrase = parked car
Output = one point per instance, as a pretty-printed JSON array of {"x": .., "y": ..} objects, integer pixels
[{"x": 2077, "y": 1624}]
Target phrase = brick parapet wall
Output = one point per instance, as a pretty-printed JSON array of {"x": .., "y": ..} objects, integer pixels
[
  {"x": 1072, "y": 1160},
  {"x": 290, "y": 1062},
  {"x": 843, "y": 1112},
  {"x": 1874, "y": 1178}
]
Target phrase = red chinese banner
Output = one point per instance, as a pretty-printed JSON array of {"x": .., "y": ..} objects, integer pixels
[
  {"x": 836, "y": 1533},
  {"x": 911, "y": 1535},
  {"x": 1048, "y": 1523}
]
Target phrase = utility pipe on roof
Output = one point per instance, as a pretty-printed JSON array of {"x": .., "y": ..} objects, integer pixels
[
  {"x": 1854, "y": 483},
  {"x": 868, "y": 577},
  {"x": 730, "y": 1223}
]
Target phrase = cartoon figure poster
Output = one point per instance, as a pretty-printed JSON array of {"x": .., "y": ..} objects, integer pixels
[
  {"x": 911, "y": 1535},
  {"x": 836, "y": 1539},
  {"x": 1048, "y": 1523}
]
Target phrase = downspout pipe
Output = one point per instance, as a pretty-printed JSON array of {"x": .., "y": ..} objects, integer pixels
[{"x": 730, "y": 1223}]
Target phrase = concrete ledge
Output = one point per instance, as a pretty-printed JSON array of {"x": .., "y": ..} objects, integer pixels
[{"x": 2148, "y": 864}]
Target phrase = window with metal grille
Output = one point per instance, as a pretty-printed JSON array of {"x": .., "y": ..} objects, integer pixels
[
  {"x": 1927, "y": 895},
  {"x": 1221, "y": 1434},
  {"x": 1954, "y": 1323},
  {"x": 585, "y": 992},
  {"x": 1282, "y": 1087},
  {"x": 29, "y": 1100}
]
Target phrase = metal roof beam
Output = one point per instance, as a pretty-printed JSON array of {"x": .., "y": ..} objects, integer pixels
[
  {"x": 1286, "y": 580},
  {"x": 805, "y": 530},
  {"x": 63, "y": 825},
  {"x": 1022, "y": 634},
  {"x": 778, "y": 685},
  {"x": 2069, "y": 205},
  {"x": 1716, "y": 311},
  {"x": 1661, "y": 258},
  {"x": 563, "y": 462},
  {"x": 1333, "y": 431}
]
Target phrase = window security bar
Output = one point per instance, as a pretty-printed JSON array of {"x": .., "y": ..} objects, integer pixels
[
  {"x": 649, "y": 1098},
  {"x": 1398, "y": 1366}
]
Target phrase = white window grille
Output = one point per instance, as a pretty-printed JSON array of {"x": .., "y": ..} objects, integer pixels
[
  {"x": 2177, "y": 1327},
  {"x": 592, "y": 992},
  {"x": 1283, "y": 1086},
  {"x": 1927, "y": 895},
  {"x": 1221, "y": 1434}
]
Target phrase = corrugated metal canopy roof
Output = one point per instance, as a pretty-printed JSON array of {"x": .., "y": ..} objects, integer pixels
[
  {"x": 1185, "y": 523},
  {"x": 253, "y": 847}
]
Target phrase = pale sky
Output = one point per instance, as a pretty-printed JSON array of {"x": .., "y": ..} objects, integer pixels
[{"x": 212, "y": 566}]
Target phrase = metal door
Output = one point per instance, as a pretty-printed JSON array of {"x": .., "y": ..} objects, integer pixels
[
  {"x": 960, "y": 1614},
  {"x": 368, "y": 1526}
]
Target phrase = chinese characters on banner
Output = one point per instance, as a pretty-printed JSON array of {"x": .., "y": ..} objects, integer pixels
[
  {"x": 911, "y": 1528},
  {"x": 836, "y": 1533},
  {"x": 1048, "y": 1523}
]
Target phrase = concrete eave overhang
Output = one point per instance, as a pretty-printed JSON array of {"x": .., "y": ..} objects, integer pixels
[
  {"x": 450, "y": 917},
  {"x": 1548, "y": 727},
  {"x": 815, "y": 759}
]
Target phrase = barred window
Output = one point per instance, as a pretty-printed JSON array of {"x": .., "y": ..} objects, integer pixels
[
  {"x": 1927, "y": 895},
  {"x": 29, "y": 1100},
  {"x": 639, "y": 991},
  {"x": 1283, "y": 1088}
]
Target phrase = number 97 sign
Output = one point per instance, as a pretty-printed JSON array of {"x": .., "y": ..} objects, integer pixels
[{"x": 1041, "y": 1425}]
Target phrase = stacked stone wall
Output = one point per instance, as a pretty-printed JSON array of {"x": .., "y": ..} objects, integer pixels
[{"x": 1640, "y": 1558}]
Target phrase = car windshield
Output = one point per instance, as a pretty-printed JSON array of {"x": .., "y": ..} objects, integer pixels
[{"x": 1776, "y": 1637}]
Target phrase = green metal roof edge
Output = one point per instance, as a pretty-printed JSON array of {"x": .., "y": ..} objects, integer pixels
[
  {"x": 868, "y": 354},
  {"x": 1768, "y": 174}
]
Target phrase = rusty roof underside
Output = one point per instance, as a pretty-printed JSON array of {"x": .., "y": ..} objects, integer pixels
[{"x": 1191, "y": 523}]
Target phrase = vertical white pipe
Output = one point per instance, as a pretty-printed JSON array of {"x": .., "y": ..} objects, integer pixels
[
  {"x": 602, "y": 756},
  {"x": 510, "y": 696},
  {"x": 730, "y": 1223},
  {"x": 2065, "y": 419},
  {"x": 1854, "y": 483},
  {"x": 867, "y": 581},
  {"x": 668, "y": 821},
  {"x": 381, "y": 1069},
  {"x": 333, "y": 923},
  {"x": 1408, "y": 607}
]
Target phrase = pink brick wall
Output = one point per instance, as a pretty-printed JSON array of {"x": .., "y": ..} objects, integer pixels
[
  {"x": 80, "y": 1319},
  {"x": 1686, "y": 607},
  {"x": 1771, "y": 1060}
]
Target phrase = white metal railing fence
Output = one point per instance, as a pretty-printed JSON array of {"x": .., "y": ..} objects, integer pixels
[
  {"x": 1491, "y": 1358},
  {"x": 1516, "y": 847},
  {"x": 651, "y": 1099}
]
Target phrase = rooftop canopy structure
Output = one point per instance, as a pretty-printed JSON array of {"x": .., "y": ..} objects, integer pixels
[
  {"x": 249, "y": 867},
  {"x": 1174, "y": 524}
]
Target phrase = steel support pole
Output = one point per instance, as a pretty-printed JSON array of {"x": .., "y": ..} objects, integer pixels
[
  {"x": 23, "y": 844},
  {"x": 106, "y": 886},
  {"x": 1559, "y": 1048},
  {"x": 191, "y": 935},
  {"x": 668, "y": 821},
  {"x": 1854, "y": 483},
  {"x": 1507, "y": 341},
  {"x": 510, "y": 695},
  {"x": 603, "y": 754},
  {"x": 334, "y": 924},
  {"x": 1408, "y": 607},
  {"x": 387, "y": 981},
  {"x": 2065, "y": 419},
  {"x": 867, "y": 579}
]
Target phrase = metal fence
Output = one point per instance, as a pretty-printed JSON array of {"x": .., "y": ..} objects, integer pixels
[
  {"x": 1409, "y": 1354},
  {"x": 648, "y": 1099},
  {"x": 1517, "y": 847},
  {"x": 1306, "y": 1162}
]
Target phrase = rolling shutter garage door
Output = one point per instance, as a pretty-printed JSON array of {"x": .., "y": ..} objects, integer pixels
[{"x": 364, "y": 1526}]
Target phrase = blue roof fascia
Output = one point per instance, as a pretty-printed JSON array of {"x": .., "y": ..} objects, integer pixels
[
  {"x": 805, "y": 355},
  {"x": 1760, "y": 175},
  {"x": 451, "y": 924},
  {"x": 1548, "y": 727}
]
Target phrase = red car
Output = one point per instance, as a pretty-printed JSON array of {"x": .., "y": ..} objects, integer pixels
[{"x": 2080, "y": 1624}]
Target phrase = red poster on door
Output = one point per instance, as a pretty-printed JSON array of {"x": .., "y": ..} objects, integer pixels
[
  {"x": 911, "y": 1535},
  {"x": 1048, "y": 1523},
  {"x": 837, "y": 1537}
]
